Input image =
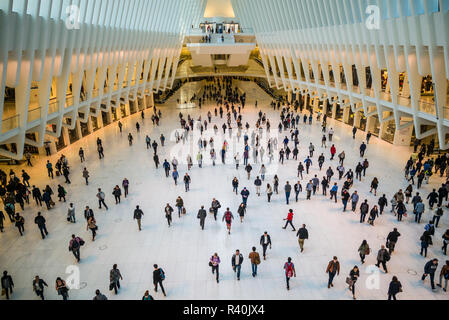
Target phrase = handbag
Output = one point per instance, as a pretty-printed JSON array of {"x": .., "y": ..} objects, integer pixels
[
  {"x": 349, "y": 281},
  {"x": 210, "y": 264}
]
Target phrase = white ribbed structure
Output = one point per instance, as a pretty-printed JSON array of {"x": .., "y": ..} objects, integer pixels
[
  {"x": 126, "y": 50},
  {"x": 120, "y": 38},
  {"x": 413, "y": 38}
]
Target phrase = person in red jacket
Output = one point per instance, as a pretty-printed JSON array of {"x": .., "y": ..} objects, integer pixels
[
  {"x": 289, "y": 220},
  {"x": 333, "y": 152}
]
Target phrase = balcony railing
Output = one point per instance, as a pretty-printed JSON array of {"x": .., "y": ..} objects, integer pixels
[
  {"x": 10, "y": 123},
  {"x": 34, "y": 115}
]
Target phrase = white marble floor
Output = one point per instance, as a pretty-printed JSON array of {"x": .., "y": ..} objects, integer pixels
[{"x": 183, "y": 250}]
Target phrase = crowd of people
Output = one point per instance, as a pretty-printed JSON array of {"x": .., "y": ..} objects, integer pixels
[{"x": 339, "y": 182}]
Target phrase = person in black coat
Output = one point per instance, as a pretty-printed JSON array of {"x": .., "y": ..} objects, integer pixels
[
  {"x": 302, "y": 235},
  {"x": 37, "y": 196},
  {"x": 383, "y": 202},
  {"x": 394, "y": 288},
  {"x": 40, "y": 221},
  {"x": 265, "y": 241},
  {"x": 158, "y": 277},
  {"x": 202, "y": 214},
  {"x": 7, "y": 284},
  {"x": 38, "y": 287},
  {"x": 392, "y": 238},
  {"x": 432, "y": 197},
  {"x": 429, "y": 269}
]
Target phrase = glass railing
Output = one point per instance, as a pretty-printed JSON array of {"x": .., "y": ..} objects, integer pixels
[
  {"x": 34, "y": 115},
  {"x": 446, "y": 112},
  {"x": 53, "y": 106},
  {"x": 10, "y": 123},
  {"x": 427, "y": 107},
  {"x": 69, "y": 101}
]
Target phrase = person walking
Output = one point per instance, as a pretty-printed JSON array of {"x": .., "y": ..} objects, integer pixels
[
  {"x": 228, "y": 217},
  {"x": 354, "y": 274},
  {"x": 382, "y": 258},
  {"x": 101, "y": 197},
  {"x": 445, "y": 241},
  {"x": 426, "y": 240},
  {"x": 7, "y": 284},
  {"x": 289, "y": 220},
  {"x": 92, "y": 225},
  {"x": 333, "y": 268},
  {"x": 38, "y": 287},
  {"x": 303, "y": 234},
  {"x": 168, "y": 213},
  {"x": 394, "y": 288},
  {"x": 61, "y": 288},
  {"x": 429, "y": 270},
  {"x": 235, "y": 185},
  {"x": 19, "y": 222},
  {"x": 245, "y": 194},
  {"x": 202, "y": 214},
  {"x": 419, "y": 210},
  {"x": 241, "y": 211},
  {"x": 255, "y": 261},
  {"x": 258, "y": 184},
  {"x": 75, "y": 245},
  {"x": 37, "y": 196},
  {"x": 187, "y": 181},
  {"x": 175, "y": 176},
  {"x": 71, "y": 214},
  {"x": 392, "y": 239},
  {"x": 248, "y": 169},
  {"x": 99, "y": 296},
  {"x": 86, "y": 176},
  {"x": 40, "y": 221},
  {"x": 290, "y": 271},
  {"x": 180, "y": 206},
  {"x": 138, "y": 214},
  {"x": 288, "y": 190},
  {"x": 214, "y": 263},
  {"x": 236, "y": 261},
  {"x": 444, "y": 274},
  {"x": 116, "y": 192},
  {"x": 125, "y": 185},
  {"x": 364, "y": 208},
  {"x": 214, "y": 207},
  {"x": 364, "y": 250},
  {"x": 265, "y": 241},
  {"x": 114, "y": 278}
]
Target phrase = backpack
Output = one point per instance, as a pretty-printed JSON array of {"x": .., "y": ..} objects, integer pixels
[
  {"x": 289, "y": 270},
  {"x": 162, "y": 274},
  {"x": 228, "y": 217},
  {"x": 75, "y": 244}
]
